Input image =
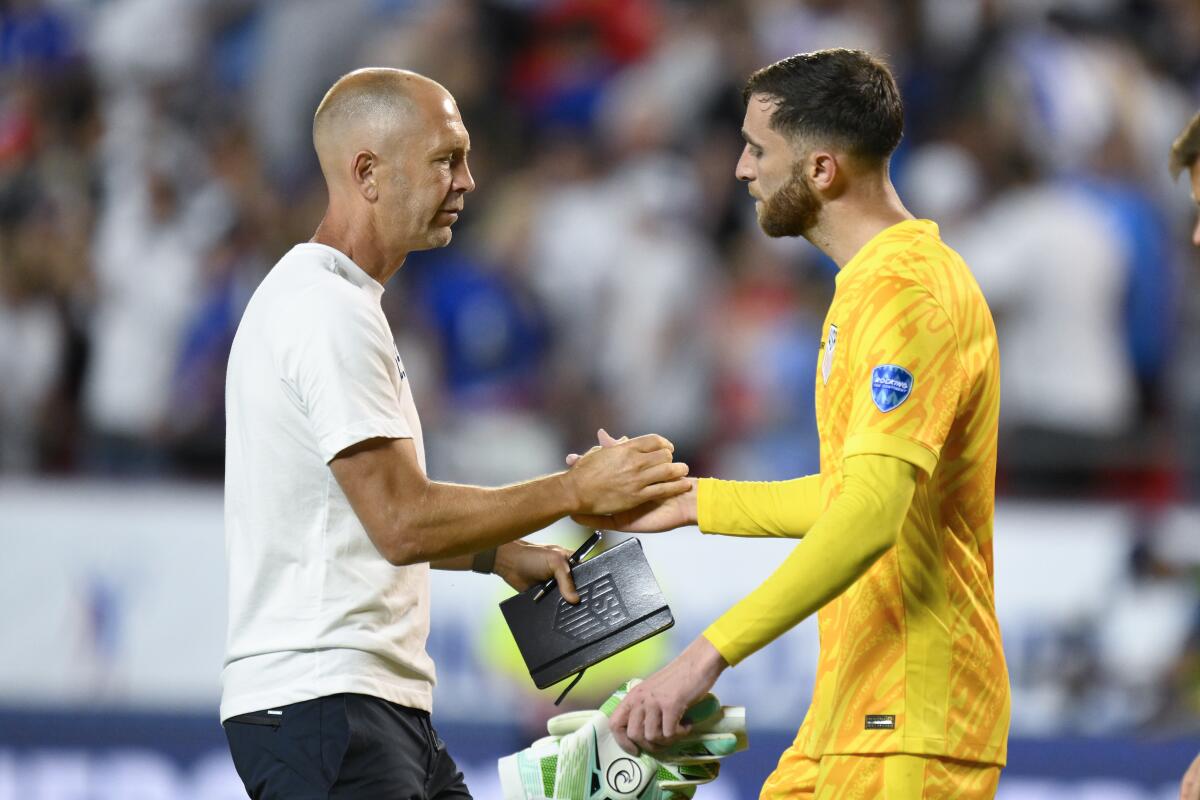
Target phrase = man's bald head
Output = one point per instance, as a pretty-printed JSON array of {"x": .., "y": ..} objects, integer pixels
[
  {"x": 368, "y": 108},
  {"x": 394, "y": 149}
]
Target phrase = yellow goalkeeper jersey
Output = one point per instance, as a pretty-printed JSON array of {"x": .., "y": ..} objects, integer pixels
[{"x": 910, "y": 657}]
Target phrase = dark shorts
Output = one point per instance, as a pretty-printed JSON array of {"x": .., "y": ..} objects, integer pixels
[{"x": 346, "y": 746}]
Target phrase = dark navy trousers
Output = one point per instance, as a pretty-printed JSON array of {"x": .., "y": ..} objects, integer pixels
[{"x": 342, "y": 747}]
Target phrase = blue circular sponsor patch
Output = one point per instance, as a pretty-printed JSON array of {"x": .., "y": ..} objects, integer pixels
[{"x": 890, "y": 386}]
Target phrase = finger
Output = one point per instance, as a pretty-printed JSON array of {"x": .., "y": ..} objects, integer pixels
[
  {"x": 618, "y": 723},
  {"x": 665, "y": 489},
  {"x": 624, "y": 742},
  {"x": 654, "y": 458},
  {"x": 572, "y": 458},
  {"x": 652, "y": 724},
  {"x": 617, "y": 720},
  {"x": 674, "y": 727},
  {"x": 650, "y": 442},
  {"x": 664, "y": 472},
  {"x": 566, "y": 584},
  {"x": 633, "y": 727}
]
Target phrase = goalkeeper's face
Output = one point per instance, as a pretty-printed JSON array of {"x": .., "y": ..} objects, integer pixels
[{"x": 787, "y": 204}]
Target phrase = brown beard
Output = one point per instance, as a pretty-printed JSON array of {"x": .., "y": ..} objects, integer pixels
[{"x": 792, "y": 210}]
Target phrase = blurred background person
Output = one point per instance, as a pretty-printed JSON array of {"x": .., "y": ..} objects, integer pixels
[{"x": 1184, "y": 154}]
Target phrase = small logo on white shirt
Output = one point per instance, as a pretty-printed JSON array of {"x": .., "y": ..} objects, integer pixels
[{"x": 400, "y": 366}]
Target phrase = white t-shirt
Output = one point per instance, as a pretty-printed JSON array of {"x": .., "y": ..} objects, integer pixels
[{"x": 314, "y": 609}]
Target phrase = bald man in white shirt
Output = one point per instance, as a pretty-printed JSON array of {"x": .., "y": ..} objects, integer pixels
[{"x": 331, "y": 523}]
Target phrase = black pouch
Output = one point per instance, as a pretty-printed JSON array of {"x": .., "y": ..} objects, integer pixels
[{"x": 620, "y": 605}]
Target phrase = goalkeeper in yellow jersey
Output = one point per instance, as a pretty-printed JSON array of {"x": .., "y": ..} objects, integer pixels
[{"x": 911, "y": 697}]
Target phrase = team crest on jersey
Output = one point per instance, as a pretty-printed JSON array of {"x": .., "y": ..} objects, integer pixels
[
  {"x": 890, "y": 386},
  {"x": 827, "y": 361}
]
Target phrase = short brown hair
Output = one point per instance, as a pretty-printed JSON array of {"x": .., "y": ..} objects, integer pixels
[
  {"x": 1186, "y": 149},
  {"x": 847, "y": 96}
]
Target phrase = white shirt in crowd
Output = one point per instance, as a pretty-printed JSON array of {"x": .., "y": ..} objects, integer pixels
[
  {"x": 1053, "y": 269},
  {"x": 314, "y": 609}
]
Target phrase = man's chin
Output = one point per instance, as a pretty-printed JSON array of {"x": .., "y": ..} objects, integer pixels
[
  {"x": 779, "y": 226},
  {"x": 779, "y": 230},
  {"x": 438, "y": 237}
]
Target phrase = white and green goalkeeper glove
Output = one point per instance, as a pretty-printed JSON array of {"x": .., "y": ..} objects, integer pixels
[{"x": 581, "y": 760}]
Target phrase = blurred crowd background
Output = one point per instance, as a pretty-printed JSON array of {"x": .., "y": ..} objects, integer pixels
[{"x": 155, "y": 160}]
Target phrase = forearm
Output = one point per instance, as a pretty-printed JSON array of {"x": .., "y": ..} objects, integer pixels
[
  {"x": 454, "y": 564},
  {"x": 486, "y": 561},
  {"x": 450, "y": 522},
  {"x": 859, "y": 527},
  {"x": 759, "y": 508},
  {"x": 412, "y": 519}
]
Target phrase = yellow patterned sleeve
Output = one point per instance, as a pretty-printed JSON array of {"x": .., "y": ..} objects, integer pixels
[
  {"x": 758, "y": 508},
  {"x": 907, "y": 375},
  {"x": 858, "y": 527}
]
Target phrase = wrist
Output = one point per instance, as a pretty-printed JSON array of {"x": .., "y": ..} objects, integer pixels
[
  {"x": 484, "y": 562},
  {"x": 505, "y": 559},
  {"x": 569, "y": 495},
  {"x": 707, "y": 659},
  {"x": 691, "y": 502}
]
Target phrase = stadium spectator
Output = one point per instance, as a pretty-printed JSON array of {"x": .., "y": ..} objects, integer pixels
[{"x": 1185, "y": 155}]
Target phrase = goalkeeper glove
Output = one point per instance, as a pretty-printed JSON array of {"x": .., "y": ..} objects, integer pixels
[{"x": 581, "y": 760}]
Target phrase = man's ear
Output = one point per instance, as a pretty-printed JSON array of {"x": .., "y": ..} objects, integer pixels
[
  {"x": 363, "y": 174},
  {"x": 824, "y": 171}
]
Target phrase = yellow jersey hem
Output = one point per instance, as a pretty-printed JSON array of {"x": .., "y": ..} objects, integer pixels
[{"x": 885, "y": 444}]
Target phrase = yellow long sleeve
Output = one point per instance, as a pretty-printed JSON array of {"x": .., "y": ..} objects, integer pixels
[
  {"x": 859, "y": 526},
  {"x": 758, "y": 508}
]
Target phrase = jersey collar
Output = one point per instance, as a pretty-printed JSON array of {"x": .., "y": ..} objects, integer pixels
[{"x": 910, "y": 227}]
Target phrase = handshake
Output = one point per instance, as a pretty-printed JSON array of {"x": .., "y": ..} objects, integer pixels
[
  {"x": 580, "y": 759},
  {"x": 631, "y": 485}
]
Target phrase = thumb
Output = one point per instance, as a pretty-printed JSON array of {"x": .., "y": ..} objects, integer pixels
[
  {"x": 607, "y": 440},
  {"x": 566, "y": 583}
]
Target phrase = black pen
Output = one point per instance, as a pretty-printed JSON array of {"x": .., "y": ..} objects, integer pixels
[{"x": 574, "y": 559}]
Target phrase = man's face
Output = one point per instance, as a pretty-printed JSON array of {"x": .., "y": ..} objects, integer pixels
[
  {"x": 1194, "y": 173},
  {"x": 426, "y": 176},
  {"x": 786, "y": 203}
]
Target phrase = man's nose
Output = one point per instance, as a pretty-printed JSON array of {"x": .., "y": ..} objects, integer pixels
[
  {"x": 464, "y": 182},
  {"x": 744, "y": 170}
]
